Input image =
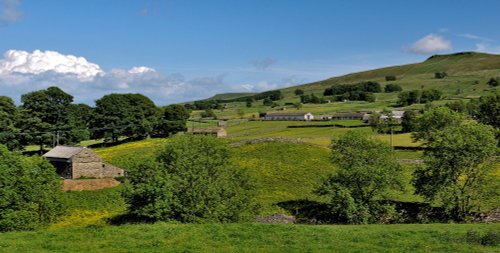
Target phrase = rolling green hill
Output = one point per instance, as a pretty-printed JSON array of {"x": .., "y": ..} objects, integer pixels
[
  {"x": 224, "y": 96},
  {"x": 468, "y": 74}
]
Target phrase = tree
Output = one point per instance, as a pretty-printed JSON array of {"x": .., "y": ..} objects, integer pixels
[
  {"x": 192, "y": 180},
  {"x": 368, "y": 97},
  {"x": 9, "y": 117},
  {"x": 434, "y": 121},
  {"x": 408, "y": 121},
  {"x": 390, "y": 78},
  {"x": 493, "y": 82},
  {"x": 80, "y": 118},
  {"x": 403, "y": 98},
  {"x": 130, "y": 115},
  {"x": 457, "y": 161},
  {"x": 209, "y": 113},
  {"x": 44, "y": 114},
  {"x": 430, "y": 95},
  {"x": 440, "y": 75},
  {"x": 249, "y": 102},
  {"x": 267, "y": 102},
  {"x": 298, "y": 105},
  {"x": 173, "y": 119},
  {"x": 366, "y": 169},
  {"x": 30, "y": 192},
  {"x": 392, "y": 88},
  {"x": 299, "y": 92},
  {"x": 488, "y": 110}
]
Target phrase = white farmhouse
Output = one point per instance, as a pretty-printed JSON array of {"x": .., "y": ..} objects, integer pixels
[{"x": 289, "y": 116}]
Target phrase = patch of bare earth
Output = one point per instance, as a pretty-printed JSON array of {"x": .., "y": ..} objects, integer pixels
[{"x": 89, "y": 184}]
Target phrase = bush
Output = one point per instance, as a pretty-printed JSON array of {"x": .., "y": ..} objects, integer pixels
[
  {"x": 30, "y": 192},
  {"x": 392, "y": 88},
  {"x": 440, "y": 75},
  {"x": 493, "y": 82},
  {"x": 490, "y": 238},
  {"x": 390, "y": 78},
  {"x": 299, "y": 92},
  {"x": 192, "y": 180},
  {"x": 209, "y": 113}
]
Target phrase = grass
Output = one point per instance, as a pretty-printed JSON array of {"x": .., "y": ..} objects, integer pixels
[
  {"x": 122, "y": 154},
  {"x": 163, "y": 237},
  {"x": 284, "y": 171}
]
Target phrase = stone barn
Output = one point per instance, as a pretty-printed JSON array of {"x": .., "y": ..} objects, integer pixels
[
  {"x": 80, "y": 162},
  {"x": 218, "y": 132}
]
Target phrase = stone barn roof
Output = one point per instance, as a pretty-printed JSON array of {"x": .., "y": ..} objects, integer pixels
[{"x": 63, "y": 152}]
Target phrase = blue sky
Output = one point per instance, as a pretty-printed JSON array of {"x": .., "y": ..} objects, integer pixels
[{"x": 175, "y": 51}]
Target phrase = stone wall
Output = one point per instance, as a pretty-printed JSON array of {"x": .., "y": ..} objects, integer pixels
[{"x": 88, "y": 164}]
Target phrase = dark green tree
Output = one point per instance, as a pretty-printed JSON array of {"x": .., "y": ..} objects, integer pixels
[
  {"x": 435, "y": 120},
  {"x": 45, "y": 113},
  {"x": 408, "y": 121},
  {"x": 366, "y": 170},
  {"x": 392, "y": 88},
  {"x": 129, "y": 115},
  {"x": 172, "y": 120},
  {"x": 193, "y": 180},
  {"x": 267, "y": 102},
  {"x": 30, "y": 192},
  {"x": 493, "y": 82},
  {"x": 9, "y": 117},
  {"x": 299, "y": 92},
  {"x": 249, "y": 102},
  {"x": 457, "y": 162}
]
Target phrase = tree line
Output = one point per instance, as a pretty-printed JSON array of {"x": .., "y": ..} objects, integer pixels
[{"x": 49, "y": 117}]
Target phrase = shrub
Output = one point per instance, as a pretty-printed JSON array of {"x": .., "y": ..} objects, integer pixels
[
  {"x": 493, "y": 82},
  {"x": 440, "y": 75},
  {"x": 490, "y": 238},
  {"x": 192, "y": 180},
  {"x": 392, "y": 88},
  {"x": 299, "y": 92},
  {"x": 30, "y": 192},
  {"x": 390, "y": 78}
]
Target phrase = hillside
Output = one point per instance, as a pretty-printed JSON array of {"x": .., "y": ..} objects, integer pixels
[
  {"x": 224, "y": 96},
  {"x": 457, "y": 65},
  {"x": 467, "y": 77}
]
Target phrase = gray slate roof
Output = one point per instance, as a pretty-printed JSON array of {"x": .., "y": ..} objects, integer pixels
[{"x": 63, "y": 152}]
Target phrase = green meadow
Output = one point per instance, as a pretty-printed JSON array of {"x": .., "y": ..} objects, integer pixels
[{"x": 164, "y": 237}]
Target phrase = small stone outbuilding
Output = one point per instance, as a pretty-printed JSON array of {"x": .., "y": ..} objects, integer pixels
[
  {"x": 80, "y": 162},
  {"x": 218, "y": 132}
]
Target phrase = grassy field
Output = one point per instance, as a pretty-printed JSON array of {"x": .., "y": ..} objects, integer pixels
[
  {"x": 284, "y": 171},
  {"x": 162, "y": 237}
]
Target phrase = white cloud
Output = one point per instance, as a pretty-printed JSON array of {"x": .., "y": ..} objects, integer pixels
[
  {"x": 22, "y": 72},
  {"x": 430, "y": 44},
  {"x": 9, "y": 11},
  {"x": 475, "y": 37},
  {"x": 487, "y": 48},
  {"x": 37, "y": 62},
  {"x": 140, "y": 70}
]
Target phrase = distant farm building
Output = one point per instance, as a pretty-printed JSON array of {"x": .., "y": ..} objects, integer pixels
[
  {"x": 80, "y": 162},
  {"x": 218, "y": 132},
  {"x": 289, "y": 116},
  {"x": 397, "y": 115},
  {"x": 346, "y": 116}
]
